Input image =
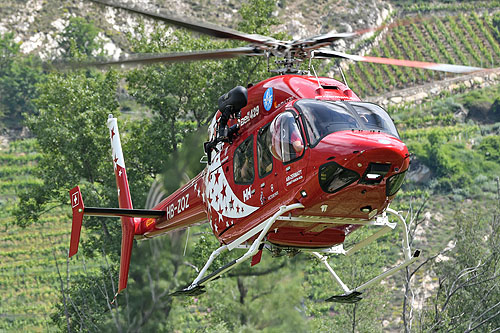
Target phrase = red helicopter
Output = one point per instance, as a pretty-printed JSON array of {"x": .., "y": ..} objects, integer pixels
[{"x": 294, "y": 163}]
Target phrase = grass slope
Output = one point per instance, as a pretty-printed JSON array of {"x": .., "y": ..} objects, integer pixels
[{"x": 28, "y": 276}]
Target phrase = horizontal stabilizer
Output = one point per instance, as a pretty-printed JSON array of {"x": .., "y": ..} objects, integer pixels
[
  {"x": 119, "y": 212},
  {"x": 79, "y": 210}
]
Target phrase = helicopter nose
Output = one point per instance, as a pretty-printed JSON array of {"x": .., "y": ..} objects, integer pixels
[
  {"x": 363, "y": 146},
  {"x": 363, "y": 157}
]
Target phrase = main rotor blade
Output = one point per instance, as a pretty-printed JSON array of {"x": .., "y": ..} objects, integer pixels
[
  {"x": 323, "y": 53},
  {"x": 144, "y": 59},
  {"x": 322, "y": 40},
  {"x": 202, "y": 27}
]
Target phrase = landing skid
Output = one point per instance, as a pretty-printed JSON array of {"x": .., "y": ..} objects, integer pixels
[
  {"x": 354, "y": 295},
  {"x": 197, "y": 286}
]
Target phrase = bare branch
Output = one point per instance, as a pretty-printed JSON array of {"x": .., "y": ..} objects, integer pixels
[
  {"x": 484, "y": 321},
  {"x": 62, "y": 292}
]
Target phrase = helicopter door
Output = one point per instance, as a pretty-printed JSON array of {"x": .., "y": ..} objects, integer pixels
[
  {"x": 267, "y": 182},
  {"x": 244, "y": 173},
  {"x": 288, "y": 147}
]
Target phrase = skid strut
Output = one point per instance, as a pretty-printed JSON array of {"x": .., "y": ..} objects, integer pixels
[
  {"x": 198, "y": 285},
  {"x": 354, "y": 295}
]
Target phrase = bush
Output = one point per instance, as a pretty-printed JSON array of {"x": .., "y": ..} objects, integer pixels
[{"x": 490, "y": 148}]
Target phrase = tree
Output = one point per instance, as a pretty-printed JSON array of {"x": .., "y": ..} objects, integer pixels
[
  {"x": 19, "y": 75},
  {"x": 364, "y": 316},
  {"x": 80, "y": 39},
  {"x": 468, "y": 294}
]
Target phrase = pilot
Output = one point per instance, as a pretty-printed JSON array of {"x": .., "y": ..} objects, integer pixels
[
  {"x": 295, "y": 140},
  {"x": 287, "y": 143}
]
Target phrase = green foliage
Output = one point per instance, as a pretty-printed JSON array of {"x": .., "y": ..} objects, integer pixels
[
  {"x": 490, "y": 147},
  {"x": 454, "y": 164},
  {"x": 496, "y": 20},
  {"x": 80, "y": 39},
  {"x": 18, "y": 78},
  {"x": 353, "y": 270},
  {"x": 260, "y": 23},
  {"x": 72, "y": 137},
  {"x": 422, "y": 6},
  {"x": 465, "y": 39},
  {"x": 467, "y": 295},
  {"x": 87, "y": 302}
]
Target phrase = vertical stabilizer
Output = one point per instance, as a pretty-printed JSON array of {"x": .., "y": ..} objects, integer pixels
[
  {"x": 76, "y": 226},
  {"x": 125, "y": 201}
]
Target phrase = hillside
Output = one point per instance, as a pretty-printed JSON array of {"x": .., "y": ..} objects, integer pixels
[
  {"x": 468, "y": 39},
  {"x": 28, "y": 276},
  {"x": 453, "y": 131},
  {"x": 37, "y": 22}
]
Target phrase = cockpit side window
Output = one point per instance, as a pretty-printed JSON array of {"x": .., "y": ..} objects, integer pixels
[
  {"x": 264, "y": 155},
  {"x": 243, "y": 162},
  {"x": 287, "y": 143}
]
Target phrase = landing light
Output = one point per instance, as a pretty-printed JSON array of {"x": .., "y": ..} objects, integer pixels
[{"x": 375, "y": 173}]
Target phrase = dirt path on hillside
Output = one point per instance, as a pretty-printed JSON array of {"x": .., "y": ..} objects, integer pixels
[{"x": 416, "y": 94}]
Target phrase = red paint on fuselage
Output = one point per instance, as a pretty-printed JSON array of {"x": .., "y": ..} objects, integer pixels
[{"x": 353, "y": 150}]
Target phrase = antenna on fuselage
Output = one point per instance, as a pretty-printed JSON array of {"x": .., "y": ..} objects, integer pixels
[
  {"x": 317, "y": 78},
  {"x": 342, "y": 73}
]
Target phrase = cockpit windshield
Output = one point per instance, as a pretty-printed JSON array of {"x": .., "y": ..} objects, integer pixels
[
  {"x": 374, "y": 117},
  {"x": 324, "y": 117}
]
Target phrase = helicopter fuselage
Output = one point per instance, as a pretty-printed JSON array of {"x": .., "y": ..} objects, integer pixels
[{"x": 301, "y": 139}]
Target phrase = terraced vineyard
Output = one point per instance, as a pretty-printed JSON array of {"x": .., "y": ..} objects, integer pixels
[
  {"x": 470, "y": 40},
  {"x": 28, "y": 276}
]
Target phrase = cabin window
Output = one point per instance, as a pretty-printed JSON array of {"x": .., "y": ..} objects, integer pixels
[
  {"x": 264, "y": 155},
  {"x": 243, "y": 162},
  {"x": 287, "y": 143}
]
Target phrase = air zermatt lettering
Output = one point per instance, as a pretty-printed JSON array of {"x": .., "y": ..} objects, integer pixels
[
  {"x": 254, "y": 112},
  {"x": 276, "y": 106}
]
